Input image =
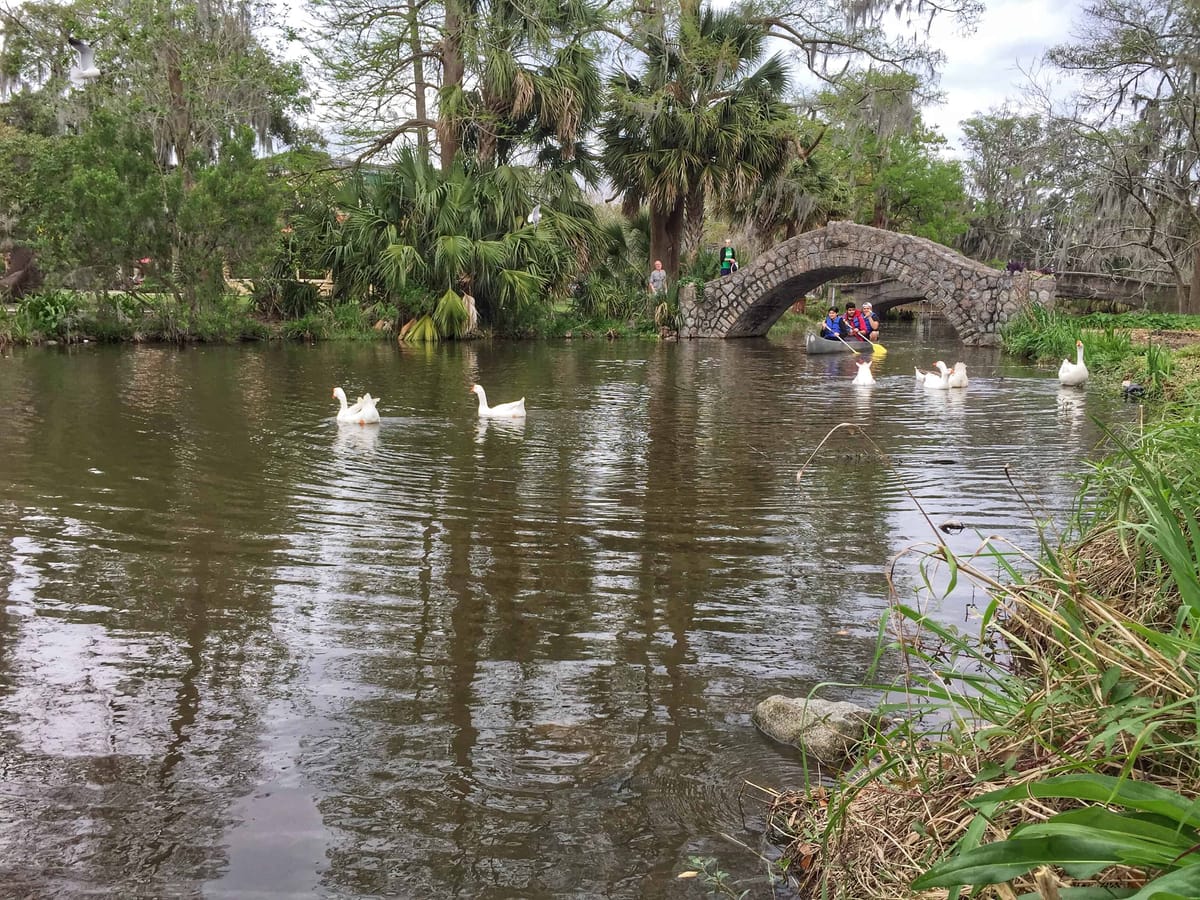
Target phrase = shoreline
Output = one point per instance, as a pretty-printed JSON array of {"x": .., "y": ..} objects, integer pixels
[{"x": 1066, "y": 693}]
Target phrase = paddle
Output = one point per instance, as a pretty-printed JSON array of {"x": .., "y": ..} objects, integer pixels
[
  {"x": 880, "y": 350},
  {"x": 847, "y": 343}
]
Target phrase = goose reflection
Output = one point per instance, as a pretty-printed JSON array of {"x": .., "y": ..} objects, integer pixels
[
  {"x": 1072, "y": 406},
  {"x": 355, "y": 439},
  {"x": 505, "y": 428}
]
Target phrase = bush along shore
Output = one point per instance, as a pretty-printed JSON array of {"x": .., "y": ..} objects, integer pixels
[
  {"x": 1054, "y": 751},
  {"x": 70, "y": 317}
]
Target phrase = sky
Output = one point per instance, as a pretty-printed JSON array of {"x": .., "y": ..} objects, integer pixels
[{"x": 985, "y": 68}]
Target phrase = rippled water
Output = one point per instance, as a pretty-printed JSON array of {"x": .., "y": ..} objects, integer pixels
[{"x": 245, "y": 652}]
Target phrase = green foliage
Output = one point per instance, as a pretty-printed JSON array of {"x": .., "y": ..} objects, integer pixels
[
  {"x": 348, "y": 319},
  {"x": 1159, "y": 364},
  {"x": 417, "y": 232},
  {"x": 806, "y": 194},
  {"x": 896, "y": 177},
  {"x": 1023, "y": 172},
  {"x": 53, "y": 314},
  {"x": 598, "y": 298},
  {"x": 704, "y": 118},
  {"x": 1040, "y": 334},
  {"x": 286, "y": 298},
  {"x": 718, "y": 882},
  {"x": 423, "y": 330},
  {"x": 1121, "y": 684},
  {"x": 224, "y": 213},
  {"x": 450, "y": 315},
  {"x": 1155, "y": 829},
  {"x": 311, "y": 327},
  {"x": 1047, "y": 335},
  {"x": 13, "y": 329},
  {"x": 157, "y": 158},
  {"x": 1142, "y": 319}
]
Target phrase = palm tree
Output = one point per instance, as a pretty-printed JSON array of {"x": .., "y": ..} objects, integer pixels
[
  {"x": 703, "y": 118},
  {"x": 415, "y": 234},
  {"x": 805, "y": 194}
]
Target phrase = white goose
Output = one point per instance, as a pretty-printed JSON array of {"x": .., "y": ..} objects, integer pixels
[
  {"x": 1073, "y": 374},
  {"x": 864, "y": 375},
  {"x": 958, "y": 378},
  {"x": 363, "y": 412},
  {"x": 514, "y": 409},
  {"x": 939, "y": 380}
]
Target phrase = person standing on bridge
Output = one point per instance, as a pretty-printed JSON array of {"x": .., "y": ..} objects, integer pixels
[
  {"x": 871, "y": 321},
  {"x": 729, "y": 263}
]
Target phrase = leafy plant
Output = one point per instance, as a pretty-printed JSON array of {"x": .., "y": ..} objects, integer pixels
[
  {"x": 717, "y": 880},
  {"x": 1156, "y": 829},
  {"x": 422, "y": 330},
  {"x": 450, "y": 314},
  {"x": 52, "y": 313}
]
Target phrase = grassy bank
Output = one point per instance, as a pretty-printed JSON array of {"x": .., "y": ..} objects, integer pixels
[{"x": 1054, "y": 751}]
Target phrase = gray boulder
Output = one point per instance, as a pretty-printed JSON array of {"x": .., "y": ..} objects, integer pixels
[{"x": 829, "y": 730}]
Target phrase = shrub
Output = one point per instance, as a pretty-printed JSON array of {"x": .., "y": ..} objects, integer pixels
[{"x": 51, "y": 313}]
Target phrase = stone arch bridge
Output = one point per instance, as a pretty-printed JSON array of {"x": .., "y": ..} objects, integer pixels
[{"x": 975, "y": 299}]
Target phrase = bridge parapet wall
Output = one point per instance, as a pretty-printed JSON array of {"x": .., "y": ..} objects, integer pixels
[{"x": 976, "y": 299}]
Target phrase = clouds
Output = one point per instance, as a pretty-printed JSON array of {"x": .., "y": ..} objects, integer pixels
[{"x": 986, "y": 68}]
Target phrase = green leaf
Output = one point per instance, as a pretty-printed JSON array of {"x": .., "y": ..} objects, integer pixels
[
  {"x": 1092, "y": 892},
  {"x": 1182, "y": 884},
  {"x": 1004, "y": 860},
  {"x": 1110, "y": 677},
  {"x": 1106, "y": 789}
]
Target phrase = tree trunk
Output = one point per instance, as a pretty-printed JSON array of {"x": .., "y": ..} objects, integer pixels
[
  {"x": 693, "y": 229},
  {"x": 180, "y": 128},
  {"x": 1192, "y": 303},
  {"x": 419, "y": 85},
  {"x": 453, "y": 68},
  {"x": 666, "y": 229}
]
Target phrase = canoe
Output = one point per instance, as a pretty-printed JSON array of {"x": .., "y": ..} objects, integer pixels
[{"x": 815, "y": 344}]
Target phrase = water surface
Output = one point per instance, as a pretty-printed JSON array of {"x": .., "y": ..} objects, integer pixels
[{"x": 247, "y": 653}]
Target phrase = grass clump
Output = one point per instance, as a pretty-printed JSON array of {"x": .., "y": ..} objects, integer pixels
[{"x": 1055, "y": 751}]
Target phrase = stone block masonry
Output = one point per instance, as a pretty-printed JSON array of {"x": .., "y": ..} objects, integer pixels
[{"x": 976, "y": 300}]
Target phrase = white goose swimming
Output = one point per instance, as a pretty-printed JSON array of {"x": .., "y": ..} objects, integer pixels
[
  {"x": 363, "y": 412},
  {"x": 864, "y": 375},
  {"x": 514, "y": 409},
  {"x": 958, "y": 378},
  {"x": 1073, "y": 374},
  {"x": 939, "y": 380}
]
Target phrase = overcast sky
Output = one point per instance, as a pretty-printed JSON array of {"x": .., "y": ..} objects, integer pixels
[{"x": 985, "y": 68}]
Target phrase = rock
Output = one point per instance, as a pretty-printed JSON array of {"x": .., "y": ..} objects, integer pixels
[{"x": 829, "y": 730}]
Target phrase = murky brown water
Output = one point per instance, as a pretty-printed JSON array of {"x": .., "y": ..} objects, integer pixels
[{"x": 247, "y": 653}]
